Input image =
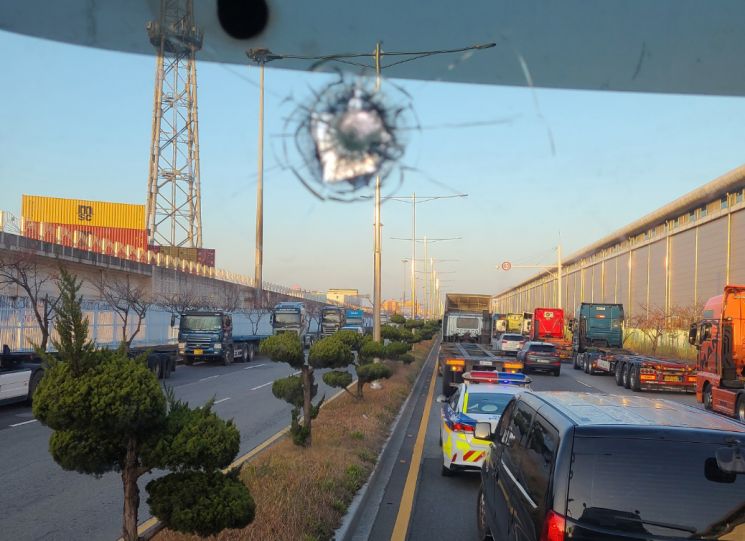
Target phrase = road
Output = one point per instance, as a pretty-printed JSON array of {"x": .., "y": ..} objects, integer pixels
[
  {"x": 40, "y": 501},
  {"x": 445, "y": 507}
]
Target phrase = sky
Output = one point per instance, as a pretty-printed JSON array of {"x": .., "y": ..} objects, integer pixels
[{"x": 550, "y": 164}]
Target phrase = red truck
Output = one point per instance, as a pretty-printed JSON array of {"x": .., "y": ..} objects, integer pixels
[
  {"x": 720, "y": 340},
  {"x": 548, "y": 326}
]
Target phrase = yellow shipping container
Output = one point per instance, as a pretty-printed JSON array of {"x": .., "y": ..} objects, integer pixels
[{"x": 55, "y": 210}]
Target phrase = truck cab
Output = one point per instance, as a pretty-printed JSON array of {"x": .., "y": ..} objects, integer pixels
[
  {"x": 291, "y": 317},
  {"x": 598, "y": 325},
  {"x": 719, "y": 336},
  {"x": 20, "y": 374},
  {"x": 355, "y": 321},
  {"x": 205, "y": 335},
  {"x": 332, "y": 319}
]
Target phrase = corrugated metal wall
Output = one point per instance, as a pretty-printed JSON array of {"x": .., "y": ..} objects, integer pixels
[{"x": 678, "y": 263}]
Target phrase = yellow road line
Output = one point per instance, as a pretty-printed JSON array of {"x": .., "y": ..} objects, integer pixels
[{"x": 401, "y": 528}]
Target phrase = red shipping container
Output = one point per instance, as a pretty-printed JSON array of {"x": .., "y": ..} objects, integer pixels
[
  {"x": 104, "y": 240},
  {"x": 206, "y": 256},
  {"x": 203, "y": 256}
]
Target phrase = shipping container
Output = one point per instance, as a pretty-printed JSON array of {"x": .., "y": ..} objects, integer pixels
[
  {"x": 55, "y": 210},
  {"x": 203, "y": 256},
  {"x": 104, "y": 240}
]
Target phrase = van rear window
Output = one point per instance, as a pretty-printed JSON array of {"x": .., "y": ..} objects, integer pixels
[
  {"x": 467, "y": 323},
  {"x": 543, "y": 348},
  {"x": 652, "y": 487}
]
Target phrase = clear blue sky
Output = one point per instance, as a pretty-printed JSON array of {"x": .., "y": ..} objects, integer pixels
[{"x": 75, "y": 122}]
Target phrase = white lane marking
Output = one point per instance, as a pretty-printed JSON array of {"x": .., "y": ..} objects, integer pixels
[
  {"x": 260, "y": 386},
  {"x": 585, "y": 384},
  {"x": 221, "y": 400},
  {"x": 254, "y": 366},
  {"x": 210, "y": 377},
  {"x": 24, "y": 423}
]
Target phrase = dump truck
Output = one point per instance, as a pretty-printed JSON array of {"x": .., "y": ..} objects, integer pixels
[
  {"x": 332, "y": 319},
  {"x": 720, "y": 340},
  {"x": 548, "y": 326},
  {"x": 466, "y": 318}
]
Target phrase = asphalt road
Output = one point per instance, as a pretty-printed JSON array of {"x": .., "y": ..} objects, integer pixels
[
  {"x": 445, "y": 507},
  {"x": 40, "y": 501}
]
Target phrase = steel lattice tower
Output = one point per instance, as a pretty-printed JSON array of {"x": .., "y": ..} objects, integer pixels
[{"x": 173, "y": 195}]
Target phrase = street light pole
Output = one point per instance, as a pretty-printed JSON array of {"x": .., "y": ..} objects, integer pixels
[
  {"x": 377, "y": 256},
  {"x": 403, "y": 290},
  {"x": 548, "y": 269}
]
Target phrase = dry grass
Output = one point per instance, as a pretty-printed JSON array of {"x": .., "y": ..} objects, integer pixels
[{"x": 302, "y": 493}]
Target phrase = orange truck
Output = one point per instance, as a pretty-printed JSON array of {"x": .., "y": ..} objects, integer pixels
[
  {"x": 548, "y": 326},
  {"x": 720, "y": 340}
]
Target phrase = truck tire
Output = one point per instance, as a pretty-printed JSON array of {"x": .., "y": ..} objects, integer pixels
[
  {"x": 575, "y": 361},
  {"x": 740, "y": 408},
  {"x": 188, "y": 361},
  {"x": 33, "y": 384},
  {"x": 634, "y": 380},
  {"x": 706, "y": 398},
  {"x": 618, "y": 373},
  {"x": 157, "y": 366},
  {"x": 627, "y": 376},
  {"x": 227, "y": 359},
  {"x": 251, "y": 352},
  {"x": 244, "y": 354},
  {"x": 447, "y": 377}
]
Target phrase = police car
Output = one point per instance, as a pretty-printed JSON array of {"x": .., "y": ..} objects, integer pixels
[{"x": 481, "y": 398}]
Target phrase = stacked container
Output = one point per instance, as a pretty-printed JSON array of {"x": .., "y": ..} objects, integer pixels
[
  {"x": 99, "y": 226},
  {"x": 203, "y": 256}
]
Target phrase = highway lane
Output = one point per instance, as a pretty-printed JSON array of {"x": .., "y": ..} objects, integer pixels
[
  {"x": 445, "y": 507},
  {"x": 41, "y": 501}
]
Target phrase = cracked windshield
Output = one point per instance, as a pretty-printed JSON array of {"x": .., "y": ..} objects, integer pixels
[{"x": 276, "y": 270}]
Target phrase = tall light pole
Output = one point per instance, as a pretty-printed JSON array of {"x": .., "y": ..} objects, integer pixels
[
  {"x": 549, "y": 269},
  {"x": 261, "y": 57},
  {"x": 403, "y": 290}
]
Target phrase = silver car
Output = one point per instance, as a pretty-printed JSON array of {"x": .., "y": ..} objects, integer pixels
[{"x": 510, "y": 343}]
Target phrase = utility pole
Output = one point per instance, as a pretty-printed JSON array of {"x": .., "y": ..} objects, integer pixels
[
  {"x": 174, "y": 208},
  {"x": 378, "y": 254}
]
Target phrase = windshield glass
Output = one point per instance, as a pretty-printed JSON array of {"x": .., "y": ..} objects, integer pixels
[
  {"x": 467, "y": 323},
  {"x": 331, "y": 317},
  {"x": 512, "y": 337},
  {"x": 487, "y": 403},
  {"x": 201, "y": 323},
  {"x": 543, "y": 348},
  {"x": 284, "y": 319},
  {"x": 635, "y": 485}
]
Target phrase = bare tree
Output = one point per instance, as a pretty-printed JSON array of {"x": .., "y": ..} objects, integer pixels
[
  {"x": 22, "y": 271},
  {"x": 681, "y": 316},
  {"x": 653, "y": 322},
  {"x": 230, "y": 297},
  {"x": 180, "y": 302},
  {"x": 255, "y": 317},
  {"x": 129, "y": 301}
]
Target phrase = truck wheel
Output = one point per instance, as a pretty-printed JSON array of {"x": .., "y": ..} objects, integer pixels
[
  {"x": 627, "y": 376},
  {"x": 447, "y": 377},
  {"x": 188, "y": 361},
  {"x": 251, "y": 352},
  {"x": 618, "y": 373},
  {"x": 575, "y": 361},
  {"x": 634, "y": 381},
  {"x": 170, "y": 366},
  {"x": 244, "y": 353},
  {"x": 740, "y": 408},
  {"x": 227, "y": 359},
  {"x": 158, "y": 367},
  {"x": 707, "y": 397},
  {"x": 33, "y": 384}
]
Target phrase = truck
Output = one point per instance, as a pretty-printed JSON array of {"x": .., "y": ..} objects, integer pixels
[
  {"x": 332, "y": 318},
  {"x": 515, "y": 323},
  {"x": 215, "y": 335},
  {"x": 457, "y": 358},
  {"x": 597, "y": 344},
  {"x": 499, "y": 325},
  {"x": 548, "y": 326},
  {"x": 292, "y": 317},
  {"x": 720, "y": 340},
  {"x": 466, "y": 318},
  {"x": 527, "y": 323},
  {"x": 355, "y": 321}
]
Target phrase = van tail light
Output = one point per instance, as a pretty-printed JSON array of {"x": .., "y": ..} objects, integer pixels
[{"x": 553, "y": 527}]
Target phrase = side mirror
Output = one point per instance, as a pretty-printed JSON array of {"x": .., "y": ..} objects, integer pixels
[
  {"x": 173, "y": 320},
  {"x": 731, "y": 459},
  {"x": 441, "y": 399},
  {"x": 482, "y": 431},
  {"x": 692, "y": 334}
]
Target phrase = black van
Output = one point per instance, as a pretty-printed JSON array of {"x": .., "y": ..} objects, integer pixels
[{"x": 596, "y": 467}]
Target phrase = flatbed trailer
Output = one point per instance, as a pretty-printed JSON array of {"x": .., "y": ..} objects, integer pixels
[{"x": 455, "y": 358}]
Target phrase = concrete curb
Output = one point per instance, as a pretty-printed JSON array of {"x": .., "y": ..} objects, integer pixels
[{"x": 383, "y": 467}]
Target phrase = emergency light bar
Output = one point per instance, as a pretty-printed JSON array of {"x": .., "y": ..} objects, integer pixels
[{"x": 502, "y": 378}]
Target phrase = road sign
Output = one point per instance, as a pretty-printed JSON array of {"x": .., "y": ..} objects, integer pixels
[{"x": 506, "y": 266}]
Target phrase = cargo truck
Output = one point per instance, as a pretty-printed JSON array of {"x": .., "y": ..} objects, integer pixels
[
  {"x": 457, "y": 358},
  {"x": 499, "y": 325},
  {"x": 548, "y": 326},
  {"x": 292, "y": 317},
  {"x": 466, "y": 318},
  {"x": 597, "y": 344},
  {"x": 354, "y": 321},
  {"x": 214, "y": 335},
  {"x": 720, "y": 340},
  {"x": 515, "y": 323},
  {"x": 332, "y": 319},
  {"x": 527, "y": 323}
]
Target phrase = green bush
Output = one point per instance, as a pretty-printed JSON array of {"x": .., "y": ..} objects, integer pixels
[
  {"x": 395, "y": 349},
  {"x": 330, "y": 352},
  {"x": 370, "y": 350},
  {"x": 398, "y": 319},
  {"x": 414, "y": 323},
  {"x": 370, "y": 372},
  {"x": 406, "y": 358},
  {"x": 340, "y": 379},
  {"x": 284, "y": 348},
  {"x": 289, "y": 389},
  {"x": 352, "y": 339},
  {"x": 204, "y": 503}
]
